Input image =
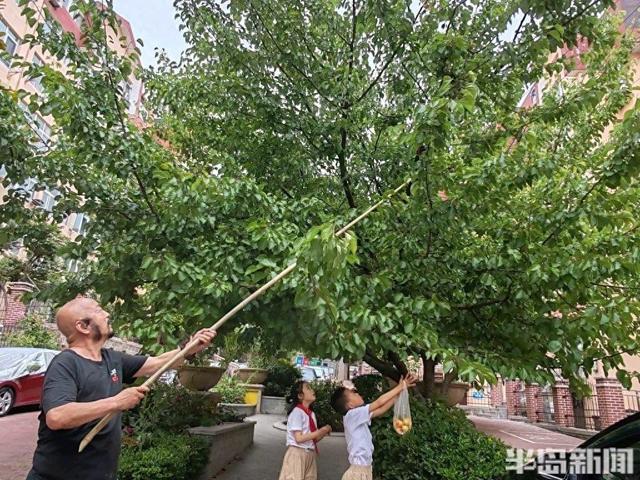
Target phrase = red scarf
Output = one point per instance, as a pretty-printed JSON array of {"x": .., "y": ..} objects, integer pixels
[{"x": 312, "y": 422}]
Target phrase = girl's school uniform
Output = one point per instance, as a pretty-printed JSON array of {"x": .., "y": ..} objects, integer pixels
[{"x": 300, "y": 458}]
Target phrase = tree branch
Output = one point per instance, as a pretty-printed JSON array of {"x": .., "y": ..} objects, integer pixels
[
  {"x": 113, "y": 90},
  {"x": 344, "y": 175},
  {"x": 383, "y": 367},
  {"x": 397, "y": 362},
  {"x": 472, "y": 306},
  {"x": 294, "y": 66},
  {"x": 389, "y": 60}
]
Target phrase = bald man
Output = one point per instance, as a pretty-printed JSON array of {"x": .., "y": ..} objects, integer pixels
[{"x": 83, "y": 384}]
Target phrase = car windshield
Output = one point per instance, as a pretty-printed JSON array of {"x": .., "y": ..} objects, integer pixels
[
  {"x": 308, "y": 374},
  {"x": 18, "y": 362}
]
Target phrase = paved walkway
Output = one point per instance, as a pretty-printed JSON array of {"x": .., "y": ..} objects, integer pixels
[
  {"x": 18, "y": 435},
  {"x": 263, "y": 460},
  {"x": 524, "y": 435}
]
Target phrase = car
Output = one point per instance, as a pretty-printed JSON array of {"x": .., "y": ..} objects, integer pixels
[
  {"x": 21, "y": 376},
  {"x": 620, "y": 443},
  {"x": 309, "y": 374}
]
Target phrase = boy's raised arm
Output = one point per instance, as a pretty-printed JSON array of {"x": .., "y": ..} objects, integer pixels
[
  {"x": 378, "y": 412},
  {"x": 383, "y": 399}
]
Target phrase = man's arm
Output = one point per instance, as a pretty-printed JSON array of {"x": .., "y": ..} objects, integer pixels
[
  {"x": 153, "y": 364},
  {"x": 75, "y": 414}
]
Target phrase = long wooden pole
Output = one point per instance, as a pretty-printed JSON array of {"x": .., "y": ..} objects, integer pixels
[{"x": 180, "y": 355}]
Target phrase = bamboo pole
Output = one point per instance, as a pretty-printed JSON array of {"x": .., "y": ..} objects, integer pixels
[{"x": 180, "y": 355}]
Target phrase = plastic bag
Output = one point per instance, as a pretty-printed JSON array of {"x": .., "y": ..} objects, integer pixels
[{"x": 402, "y": 413}]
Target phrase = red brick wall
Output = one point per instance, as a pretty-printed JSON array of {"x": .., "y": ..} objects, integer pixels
[
  {"x": 15, "y": 309},
  {"x": 512, "y": 388},
  {"x": 496, "y": 393},
  {"x": 610, "y": 401},
  {"x": 563, "y": 404},
  {"x": 533, "y": 393}
]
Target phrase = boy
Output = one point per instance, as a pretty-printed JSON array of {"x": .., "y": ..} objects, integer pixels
[{"x": 357, "y": 418}]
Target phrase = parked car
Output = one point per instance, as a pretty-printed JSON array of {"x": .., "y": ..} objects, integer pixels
[
  {"x": 21, "y": 376},
  {"x": 622, "y": 435},
  {"x": 309, "y": 374}
]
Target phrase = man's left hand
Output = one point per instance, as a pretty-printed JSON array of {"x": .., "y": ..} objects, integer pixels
[{"x": 204, "y": 337}]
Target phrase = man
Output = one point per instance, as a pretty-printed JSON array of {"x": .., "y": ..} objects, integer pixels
[{"x": 82, "y": 385}]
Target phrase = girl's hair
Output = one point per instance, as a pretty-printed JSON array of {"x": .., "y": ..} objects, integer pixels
[{"x": 293, "y": 398}]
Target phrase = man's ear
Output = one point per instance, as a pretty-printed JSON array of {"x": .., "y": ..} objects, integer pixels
[{"x": 82, "y": 326}]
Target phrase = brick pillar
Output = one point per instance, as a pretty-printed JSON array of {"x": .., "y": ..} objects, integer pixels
[
  {"x": 563, "y": 404},
  {"x": 533, "y": 393},
  {"x": 496, "y": 393},
  {"x": 15, "y": 309},
  {"x": 610, "y": 401},
  {"x": 512, "y": 388}
]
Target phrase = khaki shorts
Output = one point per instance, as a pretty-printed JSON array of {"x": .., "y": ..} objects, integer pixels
[
  {"x": 299, "y": 464},
  {"x": 358, "y": 472}
]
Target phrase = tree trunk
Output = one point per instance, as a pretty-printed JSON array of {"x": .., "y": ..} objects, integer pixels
[{"x": 429, "y": 376}]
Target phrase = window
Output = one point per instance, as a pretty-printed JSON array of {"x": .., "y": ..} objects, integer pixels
[
  {"x": 126, "y": 93},
  {"x": 29, "y": 187},
  {"x": 72, "y": 265},
  {"x": 80, "y": 223},
  {"x": 13, "y": 248},
  {"x": 8, "y": 39},
  {"x": 43, "y": 132},
  {"x": 37, "y": 81},
  {"x": 48, "y": 200}
]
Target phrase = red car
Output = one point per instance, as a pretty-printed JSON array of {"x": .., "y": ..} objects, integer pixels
[{"x": 21, "y": 376}]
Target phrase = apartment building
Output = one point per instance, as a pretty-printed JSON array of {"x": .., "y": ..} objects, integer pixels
[
  {"x": 608, "y": 402},
  {"x": 14, "y": 27}
]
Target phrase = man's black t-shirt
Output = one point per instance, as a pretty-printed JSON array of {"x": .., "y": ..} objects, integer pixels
[{"x": 73, "y": 378}]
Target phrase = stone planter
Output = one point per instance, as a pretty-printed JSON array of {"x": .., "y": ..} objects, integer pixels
[
  {"x": 456, "y": 392},
  {"x": 251, "y": 375},
  {"x": 199, "y": 378},
  {"x": 240, "y": 409},
  {"x": 273, "y": 405},
  {"x": 212, "y": 399},
  {"x": 226, "y": 442}
]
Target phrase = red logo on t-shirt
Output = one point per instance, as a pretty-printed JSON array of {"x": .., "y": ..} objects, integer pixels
[{"x": 114, "y": 376}]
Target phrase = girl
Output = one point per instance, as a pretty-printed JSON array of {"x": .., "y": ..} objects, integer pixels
[{"x": 302, "y": 435}]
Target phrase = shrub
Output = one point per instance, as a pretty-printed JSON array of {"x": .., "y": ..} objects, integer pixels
[
  {"x": 280, "y": 380},
  {"x": 170, "y": 409},
  {"x": 165, "y": 457},
  {"x": 33, "y": 333},
  {"x": 322, "y": 406},
  {"x": 370, "y": 386},
  {"x": 230, "y": 390},
  {"x": 443, "y": 445}
]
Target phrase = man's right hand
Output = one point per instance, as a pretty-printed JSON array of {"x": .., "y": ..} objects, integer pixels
[{"x": 130, "y": 397}]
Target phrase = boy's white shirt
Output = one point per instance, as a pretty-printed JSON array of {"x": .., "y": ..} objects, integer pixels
[
  {"x": 298, "y": 421},
  {"x": 358, "y": 437}
]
